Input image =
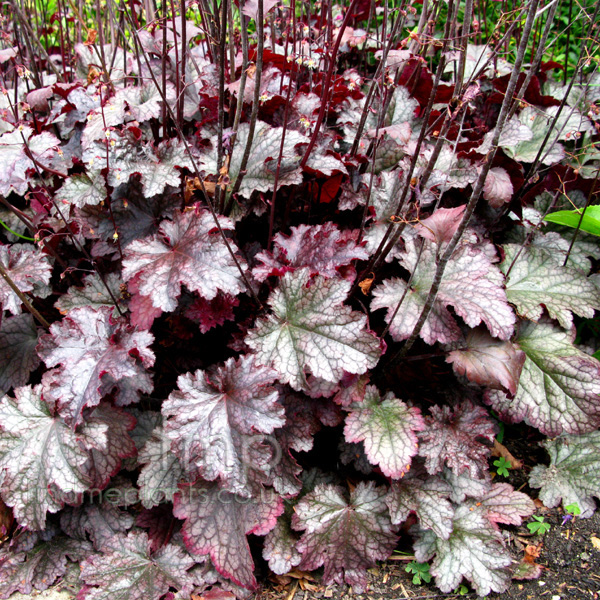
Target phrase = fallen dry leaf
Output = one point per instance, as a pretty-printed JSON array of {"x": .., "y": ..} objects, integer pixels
[
  {"x": 499, "y": 450},
  {"x": 595, "y": 542}
]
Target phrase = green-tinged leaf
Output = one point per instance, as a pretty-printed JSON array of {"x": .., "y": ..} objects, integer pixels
[
  {"x": 573, "y": 476},
  {"x": 559, "y": 389},
  {"x": 537, "y": 281},
  {"x": 475, "y": 550},
  {"x": 311, "y": 329},
  {"x": 571, "y": 218},
  {"x": 388, "y": 428}
]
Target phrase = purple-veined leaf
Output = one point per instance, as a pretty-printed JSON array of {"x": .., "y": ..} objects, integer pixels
[
  {"x": 212, "y": 313},
  {"x": 441, "y": 225},
  {"x": 93, "y": 294},
  {"x": 454, "y": 436},
  {"x": 502, "y": 504},
  {"x": 142, "y": 311},
  {"x": 160, "y": 522},
  {"x": 217, "y": 523},
  {"x": 92, "y": 350},
  {"x": 161, "y": 470},
  {"x": 498, "y": 188},
  {"x": 388, "y": 428},
  {"x": 39, "y": 566},
  {"x": 573, "y": 475},
  {"x": 323, "y": 249},
  {"x": 488, "y": 361},
  {"x": 464, "y": 486},
  {"x": 29, "y": 269},
  {"x": 187, "y": 250},
  {"x": 18, "y": 358},
  {"x": 427, "y": 496},
  {"x": 101, "y": 521},
  {"x": 262, "y": 161},
  {"x": 128, "y": 571},
  {"x": 475, "y": 550},
  {"x": 37, "y": 450},
  {"x": 105, "y": 459},
  {"x": 471, "y": 284},
  {"x": 311, "y": 328},
  {"x": 344, "y": 536},
  {"x": 536, "y": 281},
  {"x": 279, "y": 549},
  {"x": 559, "y": 389},
  {"x": 215, "y": 421}
]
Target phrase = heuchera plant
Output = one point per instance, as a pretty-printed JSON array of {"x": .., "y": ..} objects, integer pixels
[{"x": 266, "y": 273}]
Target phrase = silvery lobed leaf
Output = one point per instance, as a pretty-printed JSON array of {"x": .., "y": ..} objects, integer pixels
[
  {"x": 90, "y": 350},
  {"x": 311, "y": 328},
  {"x": 573, "y": 475},
  {"x": 93, "y": 293},
  {"x": 471, "y": 284},
  {"x": 215, "y": 421},
  {"x": 536, "y": 281},
  {"x": 279, "y": 549},
  {"x": 37, "y": 450},
  {"x": 18, "y": 358},
  {"x": 217, "y": 523},
  {"x": 37, "y": 568},
  {"x": 345, "y": 536},
  {"x": 488, "y": 361},
  {"x": 188, "y": 250},
  {"x": 502, "y": 504},
  {"x": 474, "y": 550},
  {"x": 427, "y": 496},
  {"x": 464, "y": 486},
  {"x": 161, "y": 470},
  {"x": 83, "y": 189},
  {"x": 29, "y": 269},
  {"x": 128, "y": 571},
  {"x": 324, "y": 249},
  {"x": 101, "y": 521},
  {"x": 454, "y": 437},
  {"x": 388, "y": 428},
  {"x": 262, "y": 161},
  {"x": 559, "y": 389}
]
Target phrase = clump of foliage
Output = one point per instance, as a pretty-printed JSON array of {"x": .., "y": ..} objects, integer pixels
[{"x": 267, "y": 270}]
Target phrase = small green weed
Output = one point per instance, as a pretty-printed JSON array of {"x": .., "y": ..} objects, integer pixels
[
  {"x": 538, "y": 526},
  {"x": 420, "y": 572}
]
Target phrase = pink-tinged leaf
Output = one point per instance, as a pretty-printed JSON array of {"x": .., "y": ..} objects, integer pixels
[
  {"x": 323, "y": 249},
  {"x": 454, "y": 437},
  {"x": 18, "y": 358},
  {"x": 428, "y": 498},
  {"x": 188, "y": 250},
  {"x": 573, "y": 475},
  {"x": 441, "y": 225},
  {"x": 159, "y": 521},
  {"x": 471, "y": 284},
  {"x": 161, "y": 470},
  {"x": 93, "y": 350},
  {"x": 29, "y": 269},
  {"x": 102, "y": 522},
  {"x": 83, "y": 189},
  {"x": 538, "y": 280},
  {"x": 39, "y": 566},
  {"x": 488, "y": 361},
  {"x": 559, "y": 389},
  {"x": 311, "y": 328},
  {"x": 344, "y": 536},
  {"x": 279, "y": 549},
  {"x": 215, "y": 421},
  {"x": 37, "y": 450},
  {"x": 217, "y": 523},
  {"x": 143, "y": 312},
  {"x": 104, "y": 462},
  {"x": 475, "y": 550},
  {"x": 128, "y": 571},
  {"x": 502, "y": 504},
  {"x": 388, "y": 428},
  {"x": 250, "y": 8},
  {"x": 212, "y": 313},
  {"x": 527, "y": 570},
  {"x": 498, "y": 188}
]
